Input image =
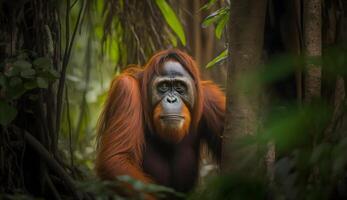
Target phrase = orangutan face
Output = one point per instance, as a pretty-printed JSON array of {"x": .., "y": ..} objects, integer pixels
[{"x": 173, "y": 96}]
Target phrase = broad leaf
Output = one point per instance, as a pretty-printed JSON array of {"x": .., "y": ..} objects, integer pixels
[
  {"x": 16, "y": 91},
  {"x": 41, "y": 83},
  {"x": 22, "y": 65},
  {"x": 218, "y": 59},
  {"x": 30, "y": 85},
  {"x": 15, "y": 81},
  {"x": 28, "y": 73},
  {"x": 171, "y": 19},
  {"x": 13, "y": 71},
  {"x": 43, "y": 63}
]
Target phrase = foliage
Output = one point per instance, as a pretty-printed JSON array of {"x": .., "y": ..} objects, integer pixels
[
  {"x": 105, "y": 189},
  {"x": 20, "y": 74},
  {"x": 171, "y": 19},
  {"x": 137, "y": 35},
  {"x": 222, "y": 56},
  {"x": 220, "y": 19},
  {"x": 310, "y": 141}
]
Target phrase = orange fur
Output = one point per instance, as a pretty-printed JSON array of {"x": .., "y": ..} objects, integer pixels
[
  {"x": 120, "y": 134},
  {"x": 212, "y": 122},
  {"x": 171, "y": 134}
]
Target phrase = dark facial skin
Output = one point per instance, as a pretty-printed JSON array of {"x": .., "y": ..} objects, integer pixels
[{"x": 172, "y": 88}]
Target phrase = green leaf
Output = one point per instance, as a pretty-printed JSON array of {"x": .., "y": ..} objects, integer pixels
[
  {"x": 41, "y": 83},
  {"x": 22, "y": 55},
  {"x": 215, "y": 16},
  {"x": 171, "y": 19},
  {"x": 16, "y": 92},
  {"x": 30, "y": 85},
  {"x": 22, "y": 65},
  {"x": 7, "y": 114},
  {"x": 49, "y": 75},
  {"x": 43, "y": 63},
  {"x": 218, "y": 59},
  {"x": 114, "y": 51},
  {"x": 220, "y": 26},
  {"x": 15, "y": 81},
  {"x": 208, "y": 5},
  {"x": 12, "y": 71},
  {"x": 28, "y": 73},
  {"x": 173, "y": 39},
  {"x": 54, "y": 74}
]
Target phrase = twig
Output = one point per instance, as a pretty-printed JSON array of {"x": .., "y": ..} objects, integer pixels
[
  {"x": 43, "y": 119},
  {"x": 52, "y": 187},
  {"x": 84, "y": 99},
  {"x": 62, "y": 73},
  {"x": 66, "y": 58},
  {"x": 49, "y": 160},
  {"x": 69, "y": 124}
]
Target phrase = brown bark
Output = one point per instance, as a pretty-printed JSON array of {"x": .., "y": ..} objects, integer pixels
[
  {"x": 201, "y": 42},
  {"x": 197, "y": 31},
  {"x": 246, "y": 18},
  {"x": 313, "y": 46},
  {"x": 291, "y": 33}
]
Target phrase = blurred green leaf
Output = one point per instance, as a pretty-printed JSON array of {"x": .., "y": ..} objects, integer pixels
[
  {"x": 15, "y": 81},
  {"x": 7, "y": 114},
  {"x": 233, "y": 186},
  {"x": 12, "y": 71},
  {"x": 16, "y": 92},
  {"x": 208, "y": 5},
  {"x": 171, "y": 19},
  {"x": 41, "y": 83},
  {"x": 22, "y": 65},
  {"x": 173, "y": 39},
  {"x": 54, "y": 74},
  {"x": 30, "y": 85},
  {"x": 28, "y": 73},
  {"x": 114, "y": 51},
  {"x": 221, "y": 57},
  {"x": 43, "y": 63},
  {"x": 159, "y": 190},
  {"x": 49, "y": 75},
  {"x": 23, "y": 54}
]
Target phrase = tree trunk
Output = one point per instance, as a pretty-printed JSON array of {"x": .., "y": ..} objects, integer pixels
[
  {"x": 202, "y": 43},
  {"x": 313, "y": 47},
  {"x": 246, "y": 34}
]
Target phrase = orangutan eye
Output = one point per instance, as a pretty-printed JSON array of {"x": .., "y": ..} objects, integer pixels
[
  {"x": 163, "y": 87},
  {"x": 180, "y": 87}
]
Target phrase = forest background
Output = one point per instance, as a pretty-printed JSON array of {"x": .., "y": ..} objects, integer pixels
[{"x": 282, "y": 65}]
